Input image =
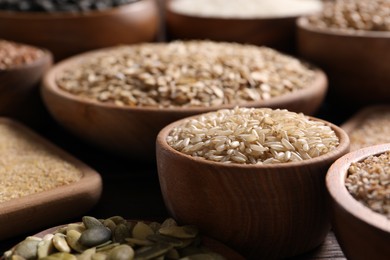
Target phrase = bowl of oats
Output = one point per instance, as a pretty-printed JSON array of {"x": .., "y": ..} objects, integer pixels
[
  {"x": 70, "y": 27},
  {"x": 252, "y": 178},
  {"x": 349, "y": 40},
  {"x": 120, "y": 98},
  {"x": 359, "y": 188}
]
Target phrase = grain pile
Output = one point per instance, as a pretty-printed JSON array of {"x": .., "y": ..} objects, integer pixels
[
  {"x": 28, "y": 167},
  {"x": 14, "y": 54},
  {"x": 352, "y": 15},
  {"x": 368, "y": 181},
  {"x": 253, "y": 136},
  {"x": 185, "y": 74},
  {"x": 373, "y": 130}
]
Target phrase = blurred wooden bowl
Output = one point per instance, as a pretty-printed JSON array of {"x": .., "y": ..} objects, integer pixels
[
  {"x": 19, "y": 91},
  {"x": 277, "y": 32},
  {"x": 357, "y": 63},
  {"x": 361, "y": 232},
  {"x": 66, "y": 34},
  {"x": 263, "y": 211},
  {"x": 132, "y": 131},
  {"x": 49, "y": 207}
]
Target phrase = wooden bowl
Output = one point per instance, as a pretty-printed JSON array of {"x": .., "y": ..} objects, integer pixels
[
  {"x": 359, "y": 119},
  {"x": 66, "y": 34},
  {"x": 132, "y": 131},
  {"x": 19, "y": 90},
  {"x": 361, "y": 232},
  {"x": 262, "y": 211},
  {"x": 276, "y": 32},
  {"x": 210, "y": 243},
  {"x": 355, "y": 74},
  {"x": 49, "y": 207}
]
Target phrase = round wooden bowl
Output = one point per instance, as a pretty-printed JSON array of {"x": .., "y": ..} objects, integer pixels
[
  {"x": 355, "y": 74},
  {"x": 262, "y": 211},
  {"x": 361, "y": 232},
  {"x": 19, "y": 90},
  {"x": 276, "y": 32},
  {"x": 132, "y": 131},
  {"x": 66, "y": 34}
]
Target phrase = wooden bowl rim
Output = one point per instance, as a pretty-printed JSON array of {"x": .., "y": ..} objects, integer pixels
[
  {"x": 303, "y": 24},
  {"x": 47, "y": 57},
  {"x": 335, "y": 180},
  {"x": 355, "y": 121},
  {"x": 318, "y": 85},
  {"x": 88, "y": 175},
  {"x": 138, "y": 6},
  {"x": 330, "y": 156}
]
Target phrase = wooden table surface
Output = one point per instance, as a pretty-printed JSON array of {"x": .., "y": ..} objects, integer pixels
[{"x": 131, "y": 188}]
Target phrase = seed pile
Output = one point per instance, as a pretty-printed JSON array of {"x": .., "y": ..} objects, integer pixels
[
  {"x": 245, "y": 8},
  {"x": 14, "y": 54},
  {"x": 185, "y": 74},
  {"x": 27, "y": 166},
  {"x": 365, "y": 15},
  {"x": 60, "y": 5},
  {"x": 253, "y": 136},
  {"x": 369, "y": 182},
  {"x": 115, "y": 238},
  {"x": 375, "y": 129}
]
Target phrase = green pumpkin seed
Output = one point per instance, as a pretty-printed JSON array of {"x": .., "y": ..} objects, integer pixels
[
  {"x": 122, "y": 252},
  {"x": 118, "y": 220},
  {"x": 179, "y": 231},
  {"x": 141, "y": 230},
  {"x": 91, "y": 222},
  {"x": 153, "y": 251},
  {"x": 174, "y": 242},
  {"x": 27, "y": 249},
  {"x": 138, "y": 242},
  {"x": 121, "y": 232},
  {"x": 60, "y": 256},
  {"x": 95, "y": 236}
]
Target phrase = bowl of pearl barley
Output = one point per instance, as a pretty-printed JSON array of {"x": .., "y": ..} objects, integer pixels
[
  {"x": 120, "y": 98},
  {"x": 253, "y": 178}
]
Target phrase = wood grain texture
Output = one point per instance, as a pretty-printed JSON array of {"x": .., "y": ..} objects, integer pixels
[
  {"x": 357, "y": 63},
  {"x": 263, "y": 211},
  {"x": 361, "y": 232},
  {"x": 19, "y": 96},
  {"x": 69, "y": 34},
  {"x": 39, "y": 209},
  {"x": 278, "y": 32},
  {"x": 132, "y": 131}
]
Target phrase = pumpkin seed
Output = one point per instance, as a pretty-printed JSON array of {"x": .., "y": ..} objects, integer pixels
[
  {"x": 60, "y": 256},
  {"x": 106, "y": 247},
  {"x": 141, "y": 230},
  {"x": 118, "y": 219},
  {"x": 17, "y": 257},
  {"x": 175, "y": 242},
  {"x": 76, "y": 226},
  {"x": 173, "y": 254},
  {"x": 27, "y": 249},
  {"x": 60, "y": 243},
  {"x": 91, "y": 222},
  {"x": 138, "y": 242},
  {"x": 99, "y": 256},
  {"x": 87, "y": 254},
  {"x": 95, "y": 236},
  {"x": 109, "y": 224},
  {"x": 45, "y": 247},
  {"x": 155, "y": 226},
  {"x": 122, "y": 252},
  {"x": 72, "y": 238},
  {"x": 169, "y": 222},
  {"x": 121, "y": 232},
  {"x": 153, "y": 251},
  {"x": 179, "y": 231}
]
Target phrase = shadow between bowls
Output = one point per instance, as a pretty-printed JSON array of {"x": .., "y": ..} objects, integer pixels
[
  {"x": 132, "y": 131},
  {"x": 46, "y": 208},
  {"x": 67, "y": 34},
  {"x": 262, "y": 211},
  {"x": 357, "y": 63},
  {"x": 361, "y": 232},
  {"x": 19, "y": 91}
]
